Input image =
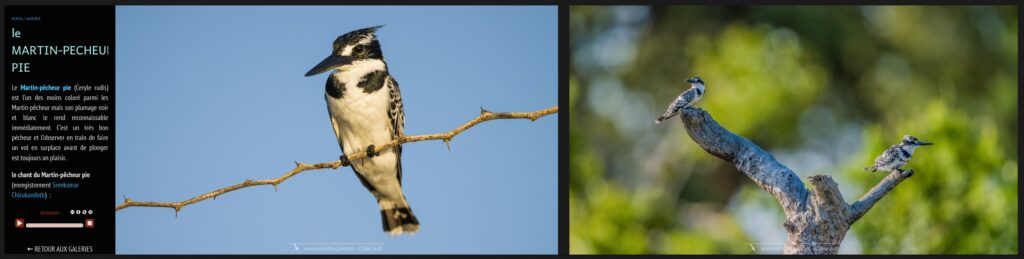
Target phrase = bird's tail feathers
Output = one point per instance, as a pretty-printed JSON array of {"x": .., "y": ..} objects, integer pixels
[
  {"x": 664, "y": 117},
  {"x": 399, "y": 220}
]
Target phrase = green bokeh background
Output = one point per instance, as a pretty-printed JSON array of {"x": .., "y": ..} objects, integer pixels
[{"x": 823, "y": 88}]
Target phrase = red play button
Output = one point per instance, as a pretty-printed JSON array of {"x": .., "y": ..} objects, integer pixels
[{"x": 19, "y": 223}]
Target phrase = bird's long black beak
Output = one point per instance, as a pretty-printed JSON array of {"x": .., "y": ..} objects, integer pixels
[
  {"x": 331, "y": 62},
  {"x": 922, "y": 143}
]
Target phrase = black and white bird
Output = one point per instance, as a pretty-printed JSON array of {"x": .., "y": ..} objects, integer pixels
[
  {"x": 685, "y": 100},
  {"x": 365, "y": 108},
  {"x": 897, "y": 155}
]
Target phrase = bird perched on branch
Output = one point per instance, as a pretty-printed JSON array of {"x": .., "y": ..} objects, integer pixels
[
  {"x": 685, "y": 100},
  {"x": 365, "y": 107},
  {"x": 897, "y": 155}
]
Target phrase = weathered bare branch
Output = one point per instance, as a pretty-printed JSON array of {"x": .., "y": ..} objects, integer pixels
[
  {"x": 821, "y": 226},
  {"x": 302, "y": 167},
  {"x": 816, "y": 220},
  {"x": 861, "y": 207},
  {"x": 759, "y": 165}
]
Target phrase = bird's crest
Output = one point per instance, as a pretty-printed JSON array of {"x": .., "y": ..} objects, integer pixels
[{"x": 355, "y": 36}]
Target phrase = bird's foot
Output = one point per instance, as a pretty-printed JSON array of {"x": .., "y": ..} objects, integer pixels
[
  {"x": 907, "y": 173},
  {"x": 370, "y": 151},
  {"x": 344, "y": 160}
]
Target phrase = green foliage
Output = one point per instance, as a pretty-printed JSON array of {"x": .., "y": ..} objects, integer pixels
[
  {"x": 761, "y": 76},
  {"x": 825, "y": 89}
]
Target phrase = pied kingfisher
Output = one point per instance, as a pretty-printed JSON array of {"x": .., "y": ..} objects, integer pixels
[
  {"x": 365, "y": 108},
  {"x": 897, "y": 155},
  {"x": 685, "y": 100}
]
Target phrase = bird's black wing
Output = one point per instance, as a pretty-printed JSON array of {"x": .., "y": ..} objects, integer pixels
[
  {"x": 889, "y": 156},
  {"x": 686, "y": 98},
  {"x": 396, "y": 115}
]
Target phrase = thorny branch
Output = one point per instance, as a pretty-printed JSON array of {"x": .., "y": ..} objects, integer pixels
[{"x": 485, "y": 115}]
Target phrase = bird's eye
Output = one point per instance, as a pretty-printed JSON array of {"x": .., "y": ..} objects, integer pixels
[{"x": 358, "y": 49}]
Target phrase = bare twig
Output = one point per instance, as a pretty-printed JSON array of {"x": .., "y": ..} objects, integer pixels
[{"x": 302, "y": 167}]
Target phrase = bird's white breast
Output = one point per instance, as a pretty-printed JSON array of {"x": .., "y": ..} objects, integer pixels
[
  {"x": 363, "y": 120},
  {"x": 909, "y": 149}
]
